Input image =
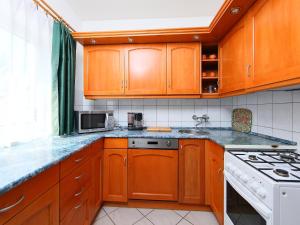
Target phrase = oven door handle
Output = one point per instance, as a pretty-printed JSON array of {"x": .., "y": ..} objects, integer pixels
[{"x": 259, "y": 207}]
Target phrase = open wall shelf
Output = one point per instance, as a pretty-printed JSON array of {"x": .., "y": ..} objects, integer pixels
[{"x": 210, "y": 69}]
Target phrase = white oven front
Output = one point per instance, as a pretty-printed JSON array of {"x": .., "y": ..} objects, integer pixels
[{"x": 241, "y": 207}]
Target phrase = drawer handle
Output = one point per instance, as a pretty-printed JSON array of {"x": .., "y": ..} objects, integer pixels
[
  {"x": 78, "y": 177},
  {"x": 78, "y": 193},
  {"x": 78, "y": 160},
  {"x": 77, "y": 206},
  {"x": 3, "y": 210}
]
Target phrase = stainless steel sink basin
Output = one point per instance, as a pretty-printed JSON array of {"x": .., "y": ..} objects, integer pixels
[{"x": 193, "y": 132}]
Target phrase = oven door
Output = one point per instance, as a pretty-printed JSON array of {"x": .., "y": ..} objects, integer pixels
[
  {"x": 92, "y": 121},
  {"x": 242, "y": 207}
]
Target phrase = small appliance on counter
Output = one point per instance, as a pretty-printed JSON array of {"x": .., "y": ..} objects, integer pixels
[
  {"x": 93, "y": 121},
  {"x": 135, "y": 121}
]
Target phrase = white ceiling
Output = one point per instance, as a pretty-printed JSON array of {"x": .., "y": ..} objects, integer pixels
[{"x": 143, "y": 9}]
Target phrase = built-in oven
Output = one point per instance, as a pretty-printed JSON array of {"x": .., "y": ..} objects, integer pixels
[{"x": 242, "y": 207}]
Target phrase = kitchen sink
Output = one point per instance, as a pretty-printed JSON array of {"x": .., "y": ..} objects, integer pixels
[{"x": 193, "y": 132}]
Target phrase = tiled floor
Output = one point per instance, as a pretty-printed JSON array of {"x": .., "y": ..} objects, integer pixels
[{"x": 139, "y": 216}]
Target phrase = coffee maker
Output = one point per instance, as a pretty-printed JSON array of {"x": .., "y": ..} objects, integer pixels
[{"x": 135, "y": 121}]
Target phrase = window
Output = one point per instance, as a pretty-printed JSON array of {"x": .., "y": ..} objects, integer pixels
[{"x": 25, "y": 72}]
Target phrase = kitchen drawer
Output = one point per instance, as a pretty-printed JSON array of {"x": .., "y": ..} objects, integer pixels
[
  {"x": 79, "y": 212},
  {"x": 18, "y": 198},
  {"x": 116, "y": 143},
  {"x": 73, "y": 186},
  {"x": 74, "y": 161}
]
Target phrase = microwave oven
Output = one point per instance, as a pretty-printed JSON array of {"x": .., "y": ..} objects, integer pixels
[{"x": 93, "y": 121}]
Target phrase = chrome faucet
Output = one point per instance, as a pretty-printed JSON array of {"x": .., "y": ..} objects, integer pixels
[{"x": 200, "y": 119}]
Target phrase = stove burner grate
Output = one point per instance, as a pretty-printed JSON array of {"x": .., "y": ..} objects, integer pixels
[
  {"x": 281, "y": 172},
  {"x": 253, "y": 157}
]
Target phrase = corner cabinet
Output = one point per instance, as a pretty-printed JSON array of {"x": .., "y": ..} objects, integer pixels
[
  {"x": 191, "y": 171},
  {"x": 145, "y": 69},
  {"x": 233, "y": 67},
  {"x": 214, "y": 179},
  {"x": 104, "y": 70},
  {"x": 183, "y": 68}
]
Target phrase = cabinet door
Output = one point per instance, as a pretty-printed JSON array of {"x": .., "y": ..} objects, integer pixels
[
  {"x": 183, "y": 68},
  {"x": 115, "y": 175},
  {"x": 153, "y": 174},
  {"x": 214, "y": 179},
  {"x": 104, "y": 70},
  {"x": 96, "y": 198},
  {"x": 274, "y": 28},
  {"x": 191, "y": 171},
  {"x": 145, "y": 69},
  {"x": 43, "y": 211},
  {"x": 233, "y": 69}
]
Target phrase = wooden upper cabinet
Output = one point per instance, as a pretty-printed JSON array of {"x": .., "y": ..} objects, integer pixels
[
  {"x": 191, "y": 171},
  {"x": 233, "y": 68},
  {"x": 183, "y": 68},
  {"x": 104, "y": 70},
  {"x": 145, "y": 69},
  {"x": 274, "y": 28},
  {"x": 153, "y": 174},
  {"x": 115, "y": 175}
]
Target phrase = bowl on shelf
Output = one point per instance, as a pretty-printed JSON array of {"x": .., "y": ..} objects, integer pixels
[
  {"x": 213, "y": 74},
  {"x": 212, "y": 56},
  {"x": 204, "y": 74}
]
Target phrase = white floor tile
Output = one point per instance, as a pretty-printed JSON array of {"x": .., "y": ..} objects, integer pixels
[
  {"x": 145, "y": 211},
  {"x": 184, "y": 222},
  {"x": 163, "y": 217},
  {"x": 125, "y": 216},
  {"x": 109, "y": 209},
  {"x": 201, "y": 218},
  {"x": 103, "y": 221},
  {"x": 182, "y": 213},
  {"x": 144, "y": 221},
  {"x": 101, "y": 214}
]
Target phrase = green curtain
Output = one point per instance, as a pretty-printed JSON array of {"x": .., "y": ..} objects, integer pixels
[{"x": 63, "y": 78}]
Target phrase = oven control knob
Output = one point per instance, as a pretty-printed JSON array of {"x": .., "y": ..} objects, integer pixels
[
  {"x": 168, "y": 143},
  {"x": 261, "y": 193}
]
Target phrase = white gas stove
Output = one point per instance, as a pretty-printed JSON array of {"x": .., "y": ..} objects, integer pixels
[{"x": 262, "y": 188}]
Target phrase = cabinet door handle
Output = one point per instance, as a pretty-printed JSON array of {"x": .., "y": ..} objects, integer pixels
[
  {"x": 220, "y": 170},
  {"x": 78, "y": 177},
  {"x": 78, "y": 193},
  {"x": 78, "y": 160},
  {"x": 125, "y": 83},
  {"x": 122, "y": 84},
  {"x": 3, "y": 210},
  {"x": 125, "y": 161},
  {"x": 77, "y": 206},
  {"x": 248, "y": 70}
]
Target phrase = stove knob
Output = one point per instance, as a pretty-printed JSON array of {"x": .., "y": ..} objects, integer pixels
[
  {"x": 254, "y": 186},
  {"x": 261, "y": 193},
  {"x": 238, "y": 173},
  {"x": 245, "y": 178}
]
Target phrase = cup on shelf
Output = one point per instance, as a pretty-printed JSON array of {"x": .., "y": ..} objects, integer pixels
[{"x": 204, "y": 57}]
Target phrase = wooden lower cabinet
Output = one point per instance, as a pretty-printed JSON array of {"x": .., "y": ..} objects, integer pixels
[
  {"x": 191, "y": 171},
  {"x": 43, "y": 211},
  {"x": 214, "y": 163},
  {"x": 115, "y": 175},
  {"x": 79, "y": 213},
  {"x": 153, "y": 174},
  {"x": 96, "y": 198}
]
